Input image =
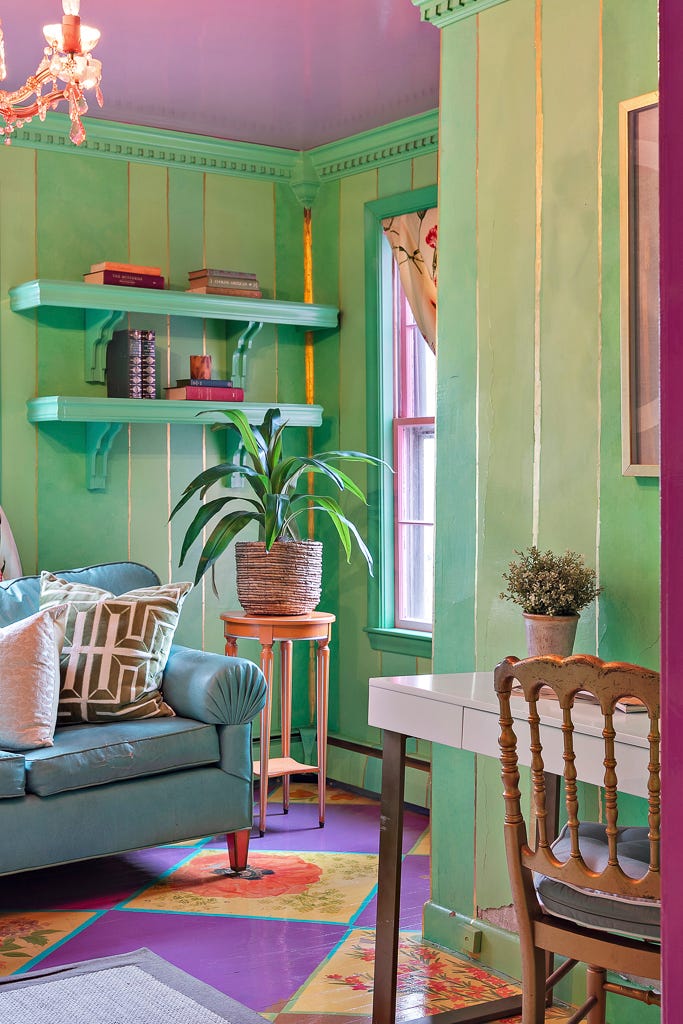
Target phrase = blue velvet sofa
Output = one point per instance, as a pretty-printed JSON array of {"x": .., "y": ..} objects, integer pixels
[{"x": 107, "y": 788}]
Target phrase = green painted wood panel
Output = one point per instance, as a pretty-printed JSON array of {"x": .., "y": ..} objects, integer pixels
[
  {"x": 147, "y": 458},
  {"x": 570, "y": 343},
  {"x": 506, "y": 279},
  {"x": 453, "y": 799},
  {"x": 18, "y": 352},
  {"x": 629, "y": 543},
  {"x": 81, "y": 214},
  {"x": 357, "y": 662}
]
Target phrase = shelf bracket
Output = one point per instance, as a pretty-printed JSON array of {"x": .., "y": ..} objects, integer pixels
[
  {"x": 239, "y": 359},
  {"x": 99, "y": 438},
  {"x": 100, "y": 324}
]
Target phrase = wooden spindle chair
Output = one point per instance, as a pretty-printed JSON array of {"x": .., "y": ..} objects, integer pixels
[{"x": 593, "y": 894}]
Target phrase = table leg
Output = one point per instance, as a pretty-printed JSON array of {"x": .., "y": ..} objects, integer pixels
[
  {"x": 267, "y": 669},
  {"x": 322, "y": 678},
  {"x": 286, "y": 711},
  {"x": 388, "y": 905},
  {"x": 389, "y": 878},
  {"x": 231, "y": 646}
]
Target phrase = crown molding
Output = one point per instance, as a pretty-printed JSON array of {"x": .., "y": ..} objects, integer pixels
[
  {"x": 445, "y": 12},
  {"x": 160, "y": 146},
  {"x": 304, "y": 171},
  {"x": 413, "y": 136}
]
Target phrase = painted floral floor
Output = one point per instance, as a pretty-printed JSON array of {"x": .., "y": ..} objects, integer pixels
[{"x": 292, "y": 939}]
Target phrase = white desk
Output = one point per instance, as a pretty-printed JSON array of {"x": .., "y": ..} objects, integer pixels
[{"x": 461, "y": 710}]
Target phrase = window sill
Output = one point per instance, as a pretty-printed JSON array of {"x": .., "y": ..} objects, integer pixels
[{"x": 400, "y": 641}]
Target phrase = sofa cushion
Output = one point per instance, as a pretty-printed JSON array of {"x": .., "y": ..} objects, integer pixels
[
  {"x": 20, "y": 597},
  {"x": 12, "y": 774},
  {"x": 595, "y": 909},
  {"x": 115, "y": 648},
  {"x": 29, "y": 679},
  {"x": 92, "y": 755}
]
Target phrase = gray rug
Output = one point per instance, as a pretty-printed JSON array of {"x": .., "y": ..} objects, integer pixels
[{"x": 135, "y": 988}]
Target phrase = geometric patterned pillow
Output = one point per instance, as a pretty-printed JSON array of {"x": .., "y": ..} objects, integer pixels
[{"x": 115, "y": 649}]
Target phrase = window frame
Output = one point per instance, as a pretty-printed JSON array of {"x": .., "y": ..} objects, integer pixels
[{"x": 380, "y": 405}]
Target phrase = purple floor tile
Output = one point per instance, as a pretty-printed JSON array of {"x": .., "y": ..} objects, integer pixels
[
  {"x": 415, "y": 892},
  {"x": 88, "y": 885},
  {"x": 348, "y": 828},
  {"x": 257, "y": 962}
]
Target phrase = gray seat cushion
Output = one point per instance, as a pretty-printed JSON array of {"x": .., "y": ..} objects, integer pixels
[
  {"x": 12, "y": 774},
  {"x": 594, "y": 909},
  {"x": 92, "y": 755}
]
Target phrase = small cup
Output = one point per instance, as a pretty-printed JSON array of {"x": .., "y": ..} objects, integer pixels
[{"x": 200, "y": 367}]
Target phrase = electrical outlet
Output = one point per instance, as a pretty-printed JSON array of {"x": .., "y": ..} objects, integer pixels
[{"x": 470, "y": 941}]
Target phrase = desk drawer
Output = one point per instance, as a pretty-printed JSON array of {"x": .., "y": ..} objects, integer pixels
[
  {"x": 413, "y": 715},
  {"x": 481, "y": 731}
]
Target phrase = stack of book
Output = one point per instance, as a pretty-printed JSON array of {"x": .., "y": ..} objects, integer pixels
[
  {"x": 224, "y": 282},
  {"x": 214, "y": 390},
  {"x": 130, "y": 275},
  {"x": 131, "y": 365}
]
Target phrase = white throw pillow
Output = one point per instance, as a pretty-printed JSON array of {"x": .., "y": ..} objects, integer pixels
[{"x": 29, "y": 679}]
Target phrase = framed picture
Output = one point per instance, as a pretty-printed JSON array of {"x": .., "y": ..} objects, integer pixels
[{"x": 639, "y": 223}]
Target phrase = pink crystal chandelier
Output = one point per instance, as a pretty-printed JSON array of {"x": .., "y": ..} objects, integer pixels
[{"x": 66, "y": 70}]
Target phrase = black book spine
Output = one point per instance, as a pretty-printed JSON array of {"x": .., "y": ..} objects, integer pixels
[
  {"x": 149, "y": 364},
  {"x": 124, "y": 365}
]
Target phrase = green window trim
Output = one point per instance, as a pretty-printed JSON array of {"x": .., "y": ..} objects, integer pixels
[
  {"x": 379, "y": 395},
  {"x": 400, "y": 641}
]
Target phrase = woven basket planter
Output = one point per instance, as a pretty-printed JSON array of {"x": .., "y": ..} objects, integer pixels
[{"x": 283, "y": 581}]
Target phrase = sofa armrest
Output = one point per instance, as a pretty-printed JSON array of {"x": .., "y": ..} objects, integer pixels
[{"x": 213, "y": 688}]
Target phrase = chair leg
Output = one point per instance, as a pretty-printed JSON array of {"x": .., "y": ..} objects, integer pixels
[
  {"x": 595, "y": 981},
  {"x": 238, "y": 849},
  {"x": 533, "y": 986}
]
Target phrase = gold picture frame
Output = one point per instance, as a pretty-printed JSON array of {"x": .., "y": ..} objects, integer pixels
[{"x": 639, "y": 271}]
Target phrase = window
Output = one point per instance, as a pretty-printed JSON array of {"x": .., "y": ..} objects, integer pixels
[
  {"x": 401, "y": 401},
  {"x": 414, "y": 467}
]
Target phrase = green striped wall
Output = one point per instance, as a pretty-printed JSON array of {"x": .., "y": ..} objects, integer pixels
[
  {"x": 528, "y": 418},
  {"x": 148, "y": 197}
]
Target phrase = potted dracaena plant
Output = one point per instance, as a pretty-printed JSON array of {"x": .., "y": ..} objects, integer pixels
[
  {"x": 551, "y": 590},
  {"x": 279, "y": 573}
]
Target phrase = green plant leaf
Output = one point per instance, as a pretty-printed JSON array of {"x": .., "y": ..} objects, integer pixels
[
  {"x": 249, "y": 440},
  {"x": 276, "y": 508},
  {"x": 207, "y": 512},
  {"x": 205, "y": 479},
  {"x": 344, "y": 527},
  {"x": 221, "y": 536}
]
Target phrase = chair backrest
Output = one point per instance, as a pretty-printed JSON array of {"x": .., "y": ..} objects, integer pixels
[{"x": 607, "y": 682}]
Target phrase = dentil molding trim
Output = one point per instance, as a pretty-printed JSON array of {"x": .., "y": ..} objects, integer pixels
[
  {"x": 444, "y": 12},
  {"x": 304, "y": 171},
  {"x": 413, "y": 136}
]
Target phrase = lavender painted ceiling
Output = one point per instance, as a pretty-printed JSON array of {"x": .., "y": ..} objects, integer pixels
[{"x": 290, "y": 73}]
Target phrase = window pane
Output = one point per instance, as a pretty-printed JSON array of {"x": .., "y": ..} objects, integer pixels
[
  {"x": 416, "y": 555},
  {"x": 415, "y": 457}
]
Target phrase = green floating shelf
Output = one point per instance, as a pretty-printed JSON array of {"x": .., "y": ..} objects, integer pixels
[
  {"x": 104, "y": 418},
  {"x": 105, "y": 306}
]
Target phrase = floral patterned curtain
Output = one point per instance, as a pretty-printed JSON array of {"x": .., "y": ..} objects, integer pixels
[{"x": 413, "y": 239}]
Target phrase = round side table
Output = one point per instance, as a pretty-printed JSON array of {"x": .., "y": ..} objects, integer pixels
[{"x": 285, "y": 629}]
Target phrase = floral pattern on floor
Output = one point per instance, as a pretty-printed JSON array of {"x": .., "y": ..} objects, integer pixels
[
  {"x": 23, "y": 937},
  {"x": 302, "y": 887},
  {"x": 429, "y": 980}
]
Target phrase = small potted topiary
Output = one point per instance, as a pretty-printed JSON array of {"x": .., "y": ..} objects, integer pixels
[
  {"x": 551, "y": 591},
  {"x": 280, "y": 573}
]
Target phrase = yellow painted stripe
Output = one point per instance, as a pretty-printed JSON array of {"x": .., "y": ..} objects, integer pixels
[{"x": 538, "y": 272}]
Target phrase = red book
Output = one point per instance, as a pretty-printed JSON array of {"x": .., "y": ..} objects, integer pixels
[
  {"x": 203, "y": 394},
  {"x": 126, "y": 278},
  {"x": 128, "y": 268}
]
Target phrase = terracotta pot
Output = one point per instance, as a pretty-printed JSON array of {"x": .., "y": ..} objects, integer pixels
[
  {"x": 550, "y": 634},
  {"x": 283, "y": 581}
]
